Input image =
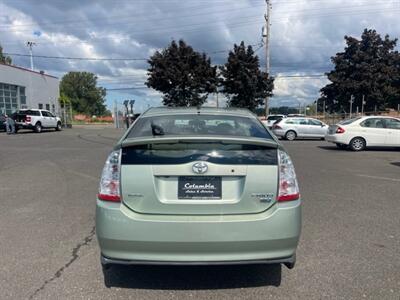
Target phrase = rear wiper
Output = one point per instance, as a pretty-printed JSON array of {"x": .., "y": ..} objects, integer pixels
[{"x": 156, "y": 130}]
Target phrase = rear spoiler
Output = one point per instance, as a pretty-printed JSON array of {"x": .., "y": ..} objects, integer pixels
[{"x": 130, "y": 142}]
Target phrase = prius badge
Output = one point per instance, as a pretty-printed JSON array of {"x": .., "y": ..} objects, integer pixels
[{"x": 200, "y": 167}]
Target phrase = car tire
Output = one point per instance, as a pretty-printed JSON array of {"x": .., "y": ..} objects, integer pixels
[
  {"x": 38, "y": 127},
  {"x": 290, "y": 135},
  {"x": 357, "y": 144},
  {"x": 58, "y": 127},
  {"x": 341, "y": 146}
]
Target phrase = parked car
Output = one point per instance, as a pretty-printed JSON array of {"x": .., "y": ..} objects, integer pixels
[
  {"x": 271, "y": 119},
  {"x": 292, "y": 128},
  {"x": 36, "y": 119},
  {"x": 198, "y": 186},
  {"x": 362, "y": 132}
]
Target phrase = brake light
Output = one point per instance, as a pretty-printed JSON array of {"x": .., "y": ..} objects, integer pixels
[
  {"x": 276, "y": 126},
  {"x": 340, "y": 130},
  {"x": 288, "y": 186},
  {"x": 28, "y": 119},
  {"x": 110, "y": 179}
]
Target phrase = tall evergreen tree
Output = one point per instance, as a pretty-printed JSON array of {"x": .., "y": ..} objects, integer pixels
[
  {"x": 243, "y": 83},
  {"x": 184, "y": 76},
  {"x": 369, "y": 68},
  {"x": 4, "y": 59}
]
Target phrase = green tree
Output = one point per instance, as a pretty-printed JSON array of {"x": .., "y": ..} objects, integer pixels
[
  {"x": 243, "y": 83},
  {"x": 81, "y": 89},
  {"x": 369, "y": 68},
  {"x": 4, "y": 59},
  {"x": 184, "y": 76}
]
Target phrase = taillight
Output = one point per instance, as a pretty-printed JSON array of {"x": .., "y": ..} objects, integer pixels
[
  {"x": 340, "y": 130},
  {"x": 110, "y": 179},
  {"x": 276, "y": 126},
  {"x": 28, "y": 119},
  {"x": 288, "y": 187}
]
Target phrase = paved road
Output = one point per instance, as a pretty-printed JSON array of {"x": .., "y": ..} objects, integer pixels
[{"x": 350, "y": 246}]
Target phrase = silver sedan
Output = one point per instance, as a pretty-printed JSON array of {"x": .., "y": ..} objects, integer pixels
[{"x": 292, "y": 128}]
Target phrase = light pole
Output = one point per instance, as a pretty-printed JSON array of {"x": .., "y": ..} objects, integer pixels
[
  {"x": 30, "y": 46},
  {"x": 351, "y": 105},
  {"x": 362, "y": 105},
  {"x": 126, "y": 102}
]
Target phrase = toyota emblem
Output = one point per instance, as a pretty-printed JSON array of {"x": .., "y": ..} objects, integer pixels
[{"x": 200, "y": 167}]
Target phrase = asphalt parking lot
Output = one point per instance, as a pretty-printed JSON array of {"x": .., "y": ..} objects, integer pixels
[{"x": 349, "y": 249}]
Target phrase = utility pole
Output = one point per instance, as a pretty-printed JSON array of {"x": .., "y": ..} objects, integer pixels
[
  {"x": 362, "y": 105},
  {"x": 266, "y": 34},
  {"x": 115, "y": 114},
  {"x": 30, "y": 46},
  {"x": 351, "y": 105}
]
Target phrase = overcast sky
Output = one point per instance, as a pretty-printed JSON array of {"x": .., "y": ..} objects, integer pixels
[{"x": 304, "y": 35}]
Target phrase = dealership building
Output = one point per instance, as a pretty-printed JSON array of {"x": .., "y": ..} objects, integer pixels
[{"x": 23, "y": 88}]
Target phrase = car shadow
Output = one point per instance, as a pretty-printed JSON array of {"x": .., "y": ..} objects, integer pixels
[
  {"x": 192, "y": 277},
  {"x": 28, "y": 131},
  {"x": 332, "y": 148},
  {"x": 369, "y": 149},
  {"x": 396, "y": 163}
]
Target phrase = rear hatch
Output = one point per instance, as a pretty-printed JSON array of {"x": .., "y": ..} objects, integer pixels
[
  {"x": 20, "y": 117},
  {"x": 191, "y": 176}
]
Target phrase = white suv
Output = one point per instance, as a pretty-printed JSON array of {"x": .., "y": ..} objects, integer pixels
[{"x": 36, "y": 119}]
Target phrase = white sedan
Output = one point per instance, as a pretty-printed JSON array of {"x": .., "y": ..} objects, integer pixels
[{"x": 362, "y": 132}]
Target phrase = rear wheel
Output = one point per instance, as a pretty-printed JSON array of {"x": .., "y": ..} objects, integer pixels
[
  {"x": 341, "y": 146},
  {"x": 290, "y": 135},
  {"x": 38, "y": 127},
  {"x": 357, "y": 144}
]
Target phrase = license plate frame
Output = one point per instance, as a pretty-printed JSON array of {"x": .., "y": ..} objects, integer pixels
[{"x": 199, "y": 187}]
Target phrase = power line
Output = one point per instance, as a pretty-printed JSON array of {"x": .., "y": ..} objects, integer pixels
[
  {"x": 122, "y": 17},
  {"x": 77, "y": 58},
  {"x": 242, "y": 24},
  {"x": 105, "y": 58},
  {"x": 208, "y": 24},
  {"x": 127, "y": 88}
]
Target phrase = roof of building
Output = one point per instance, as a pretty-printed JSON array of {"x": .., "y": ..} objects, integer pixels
[
  {"x": 190, "y": 110},
  {"x": 28, "y": 70}
]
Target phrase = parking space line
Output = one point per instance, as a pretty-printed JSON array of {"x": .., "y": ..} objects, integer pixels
[{"x": 380, "y": 178}]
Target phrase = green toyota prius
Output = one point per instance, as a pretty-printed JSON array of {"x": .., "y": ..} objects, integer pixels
[{"x": 198, "y": 186}]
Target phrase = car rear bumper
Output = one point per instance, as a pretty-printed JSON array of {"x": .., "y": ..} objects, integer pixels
[
  {"x": 24, "y": 126},
  {"x": 279, "y": 132},
  {"x": 110, "y": 261},
  {"x": 126, "y": 237},
  {"x": 336, "y": 138}
]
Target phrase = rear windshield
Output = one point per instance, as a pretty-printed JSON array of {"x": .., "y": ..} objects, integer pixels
[
  {"x": 29, "y": 112},
  {"x": 349, "y": 121},
  {"x": 272, "y": 118},
  {"x": 195, "y": 124}
]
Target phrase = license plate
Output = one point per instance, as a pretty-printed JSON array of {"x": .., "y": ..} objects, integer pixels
[{"x": 199, "y": 187}]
